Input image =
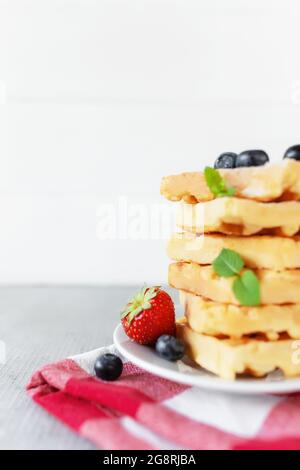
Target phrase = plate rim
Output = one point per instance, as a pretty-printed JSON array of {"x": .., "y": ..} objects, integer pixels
[{"x": 251, "y": 387}]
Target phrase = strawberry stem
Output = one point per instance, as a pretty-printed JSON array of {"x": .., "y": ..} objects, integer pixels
[{"x": 139, "y": 302}]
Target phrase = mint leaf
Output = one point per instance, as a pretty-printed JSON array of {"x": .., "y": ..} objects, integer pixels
[
  {"x": 246, "y": 288},
  {"x": 228, "y": 263},
  {"x": 216, "y": 183},
  {"x": 228, "y": 192}
]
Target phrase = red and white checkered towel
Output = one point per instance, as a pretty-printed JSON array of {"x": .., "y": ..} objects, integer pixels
[{"x": 142, "y": 411}]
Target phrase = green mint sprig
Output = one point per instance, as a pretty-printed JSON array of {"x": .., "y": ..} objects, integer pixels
[
  {"x": 216, "y": 183},
  {"x": 228, "y": 263},
  {"x": 246, "y": 287}
]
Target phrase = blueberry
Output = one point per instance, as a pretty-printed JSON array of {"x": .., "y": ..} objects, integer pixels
[
  {"x": 260, "y": 157},
  {"x": 251, "y": 158},
  {"x": 170, "y": 348},
  {"x": 244, "y": 160},
  {"x": 108, "y": 367},
  {"x": 226, "y": 160},
  {"x": 293, "y": 152}
]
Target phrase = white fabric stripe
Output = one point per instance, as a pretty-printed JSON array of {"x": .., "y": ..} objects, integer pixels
[
  {"x": 87, "y": 360},
  {"x": 138, "y": 430},
  {"x": 239, "y": 414}
]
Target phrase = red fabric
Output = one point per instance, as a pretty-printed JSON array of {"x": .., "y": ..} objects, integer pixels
[
  {"x": 130, "y": 413},
  {"x": 71, "y": 410},
  {"x": 278, "y": 444}
]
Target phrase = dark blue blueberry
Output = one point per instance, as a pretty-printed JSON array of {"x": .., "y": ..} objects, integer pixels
[
  {"x": 244, "y": 159},
  {"x": 260, "y": 157},
  {"x": 108, "y": 367},
  {"x": 251, "y": 158},
  {"x": 293, "y": 152},
  {"x": 226, "y": 160},
  {"x": 170, "y": 348}
]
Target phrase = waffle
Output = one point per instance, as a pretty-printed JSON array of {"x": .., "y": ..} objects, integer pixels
[
  {"x": 257, "y": 251},
  {"x": 261, "y": 223},
  {"x": 229, "y": 357},
  {"x": 215, "y": 319},
  {"x": 234, "y": 216},
  {"x": 277, "y": 287},
  {"x": 271, "y": 182}
]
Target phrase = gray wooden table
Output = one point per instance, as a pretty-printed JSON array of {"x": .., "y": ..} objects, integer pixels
[{"x": 40, "y": 325}]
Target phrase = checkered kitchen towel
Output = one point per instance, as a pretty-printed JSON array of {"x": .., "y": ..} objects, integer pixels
[{"x": 142, "y": 411}]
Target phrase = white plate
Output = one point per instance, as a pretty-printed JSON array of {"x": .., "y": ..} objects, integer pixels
[{"x": 185, "y": 373}]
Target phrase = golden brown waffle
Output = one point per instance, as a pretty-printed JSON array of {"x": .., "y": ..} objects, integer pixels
[
  {"x": 229, "y": 357},
  {"x": 277, "y": 287},
  {"x": 215, "y": 318},
  {"x": 270, "y": 182},
  {"x": 257, "y": 251},
  {"x": 234, "y": 216}
]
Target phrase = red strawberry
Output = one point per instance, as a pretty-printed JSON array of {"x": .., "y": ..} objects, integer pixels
[{"x": 148, "y": 315}]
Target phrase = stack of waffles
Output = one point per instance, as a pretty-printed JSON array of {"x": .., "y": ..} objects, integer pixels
[{"x": 260, "y": 222}]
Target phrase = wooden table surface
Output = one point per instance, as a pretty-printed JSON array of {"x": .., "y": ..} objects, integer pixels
[{"x": 40, "y": 325}]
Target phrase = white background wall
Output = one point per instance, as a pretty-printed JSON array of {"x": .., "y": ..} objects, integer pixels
[{"x": 103, "y": 97}]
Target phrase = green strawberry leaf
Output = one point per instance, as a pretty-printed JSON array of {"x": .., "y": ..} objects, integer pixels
[
  {"x": 150, "y": 294},
  {"x": 146, "y": 305},
  {"x": 228, "y": 263},
  {"x": 126, "y": 312},
  {"x": 246, "y": 289},
  {"x": 139, "y": 302},
  {"x": 134, "y": 313},
  {"x": 216, "y": 183}
]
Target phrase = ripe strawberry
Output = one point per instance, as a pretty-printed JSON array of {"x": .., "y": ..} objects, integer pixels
[{"x": 148, "y": 315}]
